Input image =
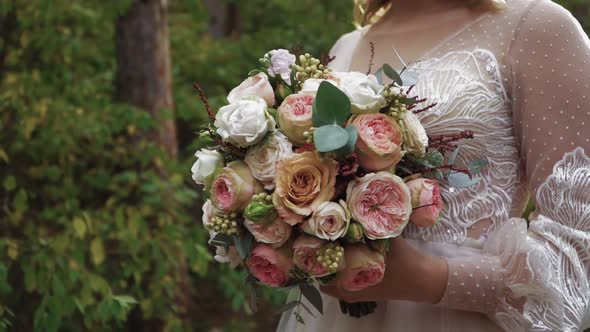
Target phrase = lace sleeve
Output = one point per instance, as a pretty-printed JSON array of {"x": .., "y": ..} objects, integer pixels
[{"x": 539, "y": 279}]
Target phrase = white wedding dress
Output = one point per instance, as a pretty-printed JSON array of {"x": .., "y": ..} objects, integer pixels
[{"x": 519, "y": 79}]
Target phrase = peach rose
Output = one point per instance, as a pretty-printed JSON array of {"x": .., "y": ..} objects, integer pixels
[
  {"x": 379, "y": 143},
  {"x": 303, "y": 182},
  {"x": 257, "y": 85},
  {"x": 233, "y": 187},
  {"x": 426, "y": 201},
  {"x": 270, "y": 266},
  {"x": 295, "y": 117},
  {"x": 381, "y": 203},
  {"x": 363, "y": 268}
]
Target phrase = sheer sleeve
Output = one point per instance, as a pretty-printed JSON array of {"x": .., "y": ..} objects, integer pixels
[{"x": 539, "y": 278}]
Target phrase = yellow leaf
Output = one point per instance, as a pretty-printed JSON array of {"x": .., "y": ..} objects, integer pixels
[
  {"x": 97, "y": 251},
  {"x": 3, "y": 155},
  {"x": 79, "y": 227},
  {"x": 12, "y": 250}
]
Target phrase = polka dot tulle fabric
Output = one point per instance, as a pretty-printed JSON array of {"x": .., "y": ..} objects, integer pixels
[{"x": 520, "y": 80}]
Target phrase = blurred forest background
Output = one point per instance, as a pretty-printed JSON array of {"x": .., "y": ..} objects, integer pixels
[{"x": 100, "y": 225}]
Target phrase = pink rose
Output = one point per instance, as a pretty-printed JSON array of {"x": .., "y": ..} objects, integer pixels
[
  {"x": 379, "y": 143},
  {"x": 233, "y": 187},
  {"x": 363, "y": 268},
  {"x": 381, "y": 203},
  {"x": 257, "y": 85},
  {"x": 295, "y": 117},
  {"x": 305, "y": 255},
  {"x": 426, "y": 201},
  {"x": 275, "y": 233},
  {"x": 270, "y": 266}
]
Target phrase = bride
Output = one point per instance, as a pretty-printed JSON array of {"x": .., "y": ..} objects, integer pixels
[{"x": 516, "y": 73}]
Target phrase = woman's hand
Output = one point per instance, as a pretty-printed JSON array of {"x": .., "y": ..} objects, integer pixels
[{"x": 409, "y": 276}]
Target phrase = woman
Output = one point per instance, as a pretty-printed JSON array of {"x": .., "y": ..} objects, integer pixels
[{"x": 517, "y": 73}]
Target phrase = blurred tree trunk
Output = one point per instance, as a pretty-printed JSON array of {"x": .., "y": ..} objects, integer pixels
[
  {"x": 144, "y": 80},
  {"x": 224, "y": 18},
  {"x": 143, "y": 76}
]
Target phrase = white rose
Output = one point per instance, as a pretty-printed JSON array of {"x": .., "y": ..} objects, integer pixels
[
  {"x": 261, "y": 159},
  {"x": 231, "y": 256},
  {"x": 363, "y": 91},
  {"x": 245, "y": 122},
  {"x": 311, "y": 85},
  {"x": 414, "y": 135},
  {"x": 255, "y": 86},
  {"x": 329, "y": 222},
  {"x": 281, "y": 62},
  {"x": 207, "y": 162}
]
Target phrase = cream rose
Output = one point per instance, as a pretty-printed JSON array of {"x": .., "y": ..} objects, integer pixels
[
  {"x": 295, "y": 116},
  {"x": 363, "y": 91},
  {"x": 303, "y": 183},
  {"x": 415, "y": 138},
  {"x": 207, "y": 162},
  {"x": 245, "y": 122},
  {"x": 329, "y": 222},
  {"x": 262, "y": 158},
  {"x": 311, "y": 85},
  {"x": 379, "y": 143},
  {"x": 381, "y": 203},
  {"x": 254, "y": 86},
  {"x": 233, "y": 187}
]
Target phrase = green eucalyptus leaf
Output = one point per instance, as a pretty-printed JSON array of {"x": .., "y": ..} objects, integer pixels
[
  {"x": 288, "y": 307},
  {"x": 409, "y": 77},
  {"x": 331, "y": 106},
  {"x": 392, "y": 74},
  {"x": 351, "y": 143},
  {"x": 379, "y": 76},
  {"x": 330, "y": 138},
  {"x": 312, "y": 294},
  {"x": 244, "y": 243},
  {"x": 461, "y": 180},
  {"x": 454, "y": 156},
  {"x": 476, "y": 166}
]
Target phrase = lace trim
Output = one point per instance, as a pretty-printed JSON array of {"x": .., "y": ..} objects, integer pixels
[{"x": 467, "y": 87}]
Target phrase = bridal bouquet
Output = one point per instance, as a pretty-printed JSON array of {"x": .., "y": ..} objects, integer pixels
[{"x": 310, "y": 172}]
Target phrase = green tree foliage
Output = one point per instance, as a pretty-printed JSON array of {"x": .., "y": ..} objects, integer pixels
[{"x": 89, "y": 229}]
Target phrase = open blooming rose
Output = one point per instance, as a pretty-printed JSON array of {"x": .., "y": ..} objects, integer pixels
[
  {"x": 303, "y": 183},
  {"x": 275, "y": 233},
  {"x": 207, "y": 162},
  {"x": 415, "y": 138},
  {"x": 329, "y": 222},
  {"x": 255, "y": 86},
  {"x": 262, "y": 158},
  {"x": 426, "y": 201},
  {"x": 379, "y": 143},
  {"x": 363, "y": 91},
  {"x": 295, "y": 116},
  {"x": 363, "y": 268},
  {"x": 381, "y": 203},
  {"x": 311, "y": 85},
  {"x": 281, "y": 61},
  {"x": 245, "y": 122},
  {"x": 270, "y": 266},
  {"x": 305, "y": 255},
  {"x": 233, "y": 187}
]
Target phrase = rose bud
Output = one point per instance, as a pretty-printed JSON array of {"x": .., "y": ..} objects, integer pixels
[
  {"x": 426, "y": 201},
  {"x": 354, "y": 233},
  {"x": 270, "y": 266},
  {"x": 258, "y": 211},
  {"x": 381, "y": 202},
  {"x": 233, "y": 187},
  {"x": 207, "y": 163},
  {"x": 379, "y": 143},
  {"x": 363, "y": 268}
]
